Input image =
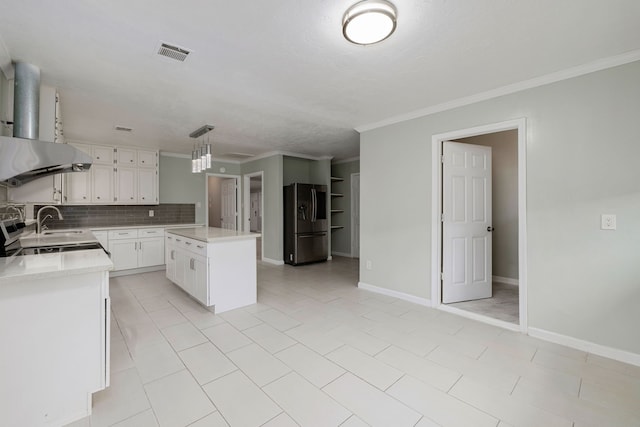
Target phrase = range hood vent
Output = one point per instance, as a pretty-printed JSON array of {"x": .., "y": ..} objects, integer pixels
[
  {"x": 173, "y": 52},
  {"x": 24, "y": 158}
]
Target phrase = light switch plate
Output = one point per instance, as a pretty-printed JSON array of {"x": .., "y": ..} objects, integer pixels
[
  {"x": 607, "y": 222},
  {"x": 151, "y": 213}
]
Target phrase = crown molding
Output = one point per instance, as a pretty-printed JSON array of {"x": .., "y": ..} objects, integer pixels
[
  {"x": 285, "y": 153},
  {"x": 591, "y": 67},
  {"x": 349, "y": 160}
]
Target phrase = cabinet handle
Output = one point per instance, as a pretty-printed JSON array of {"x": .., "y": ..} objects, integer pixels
[
  {"x": 200, "y": 247},
  {"x": 192, "y": 264},
  {"x": 123, "y": 234},
  {"x": 131, "y": 198},
  {"x": 84, "y": 197},
  {"x": 187, "y": 243},
  {"x": 172, "y": 254},
  {"x": 178, "y": 240},
  {"x": 98, "y": 197}
]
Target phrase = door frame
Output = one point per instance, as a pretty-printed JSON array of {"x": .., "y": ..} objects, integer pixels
[
  {"x": 246, "y": 198},
  {"x": 353, "y": 201},
  {"x": 238, "y": 192},
  {"x": 436, "y": 224}
]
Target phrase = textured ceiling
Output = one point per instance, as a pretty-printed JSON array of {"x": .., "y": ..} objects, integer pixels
[{"x": 278, "y": 75}]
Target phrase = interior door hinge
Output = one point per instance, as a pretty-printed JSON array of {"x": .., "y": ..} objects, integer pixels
[
  {"x": 441, "y": 276},
  {"x": 442, "y": 158},
  {"x": 442, "y": 217}
]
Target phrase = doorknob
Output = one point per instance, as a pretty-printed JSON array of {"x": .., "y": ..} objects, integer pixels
[{"x": 490, "y": 229}]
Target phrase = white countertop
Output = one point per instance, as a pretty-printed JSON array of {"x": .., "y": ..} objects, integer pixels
[
  {"x": 43, "y": 266},
  {"x": 58, "y": 237},
  {"x": 120, "y": 227},
  {"x": 213, "y": 234}
]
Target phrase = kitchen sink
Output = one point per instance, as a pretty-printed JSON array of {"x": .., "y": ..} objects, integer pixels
[{"x": 70, "y": 232}]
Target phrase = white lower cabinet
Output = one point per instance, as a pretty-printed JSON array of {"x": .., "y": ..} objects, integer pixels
[
  {"x": 136, "y": 248},
  {"x": 187, "y": 267},
  {"x": 220, "y": 274}
]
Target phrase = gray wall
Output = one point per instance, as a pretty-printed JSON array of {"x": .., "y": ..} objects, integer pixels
[
  {"x": 179, "y": 185},
  {"x": 272, "y": 200},
  {"x": 504, "y": 205},
  {"x": 341, "y": 237},
  {"x": 582, "y": 161}
]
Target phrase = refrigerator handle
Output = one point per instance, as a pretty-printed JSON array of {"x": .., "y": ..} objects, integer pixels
[{"x": 314, "y": 201}]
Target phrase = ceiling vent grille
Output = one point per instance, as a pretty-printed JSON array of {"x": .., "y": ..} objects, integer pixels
[
  {"x": 173, "y": 52},
  {"x": 123, "y": 129},
  {"x": 238, "y": 156}
]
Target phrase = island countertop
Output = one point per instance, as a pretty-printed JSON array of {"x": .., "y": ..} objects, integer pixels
[{"x": 212, "y": 234}]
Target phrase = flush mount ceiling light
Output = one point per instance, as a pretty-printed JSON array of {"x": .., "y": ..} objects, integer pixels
[{"x": 369, "y": 22}]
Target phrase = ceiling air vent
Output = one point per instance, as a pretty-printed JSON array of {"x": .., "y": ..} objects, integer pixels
[
  {"x": 238, "y": 156},
  {"x": 173, "y": 52},
  {"x": 123, "y": 128}
]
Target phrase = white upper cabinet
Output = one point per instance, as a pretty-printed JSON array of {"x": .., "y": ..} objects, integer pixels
[
  {"x": 103, "y": 155},
  {"x": 147, "y": 186},
  {"x": 126, "y": 157},
  {"x": 147, "y": 159},
  {"x": 126, "y": 185},
  {"x": 117, "y": 176}
]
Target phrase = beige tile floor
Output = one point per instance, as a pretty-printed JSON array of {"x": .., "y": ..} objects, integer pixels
[{"x": 317, "y": 351}]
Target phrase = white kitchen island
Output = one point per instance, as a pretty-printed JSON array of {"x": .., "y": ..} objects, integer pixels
[
  {"x": 215, "y": 266},
  {"x": 54, "y": 330}
]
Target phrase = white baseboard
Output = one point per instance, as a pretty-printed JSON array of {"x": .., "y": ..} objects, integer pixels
[
  {"x": 341, "y": 254},
  {"x": 391, "y": 293},
  {"x": 479, "y": 317},
  {"x": 273, "y": 261},
  {"x": 505, "y": 280},
  {"x": 136, "y": 270},
  {"x": 589, "y": 347}
]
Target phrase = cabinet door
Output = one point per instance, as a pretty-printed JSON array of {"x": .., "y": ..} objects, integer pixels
[
  {"x": 102, "y": 183},
  {"x": 182, "y": 264},
  {"x": 126, "y": 157},
  {"x": 102, "y": 155},
  {"x": 201, "y": 279},
  {"x": 147, "y": 186},
  {"x": 124, "y": 254},
  {"x": 170, "y": 260},
  {"x": 147, "y": 159},
  {"x": 150, "y": 252},
  {"x": 126, "y": 189},
  {"x": 78, "y": 187}
]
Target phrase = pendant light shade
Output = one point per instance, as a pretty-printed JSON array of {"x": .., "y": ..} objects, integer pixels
[
  {"x": 201, "y": 155},
  {"x": 369, "y": 22}
]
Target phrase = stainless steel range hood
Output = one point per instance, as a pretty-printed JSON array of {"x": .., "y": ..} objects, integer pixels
[{"x": 24, "y": 158}]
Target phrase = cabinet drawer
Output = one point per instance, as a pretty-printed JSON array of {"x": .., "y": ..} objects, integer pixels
[
  {"x": 195, "y": 246},
  {"x": 123, "y": 234},
  {"x": 151, "y": 232}
]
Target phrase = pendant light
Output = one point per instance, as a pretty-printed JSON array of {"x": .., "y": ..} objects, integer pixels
[
  {"x": 369, "y": 21},
  {"x": 201, "y": 154}
]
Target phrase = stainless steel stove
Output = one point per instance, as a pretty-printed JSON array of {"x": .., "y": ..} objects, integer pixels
[{"x": 12, "y": 229}]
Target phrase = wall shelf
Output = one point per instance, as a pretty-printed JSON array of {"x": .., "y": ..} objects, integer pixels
[
  {"x": 337, "y": 210},
  {"x": 336, "y": 179},
  {"x": 337, "y": 195},
  {"x": 335, "y": 227}
]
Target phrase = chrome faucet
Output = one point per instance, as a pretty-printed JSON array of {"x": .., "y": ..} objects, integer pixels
[{"x": 39, "y": 222}]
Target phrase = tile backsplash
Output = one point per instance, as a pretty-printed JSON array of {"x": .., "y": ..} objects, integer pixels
[{"x": 76, "y": 216}]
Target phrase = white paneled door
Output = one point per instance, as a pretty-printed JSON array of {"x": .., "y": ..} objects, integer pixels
[
  {"x": 229, "y": 204},
  {"x": 466, "y": 229}
]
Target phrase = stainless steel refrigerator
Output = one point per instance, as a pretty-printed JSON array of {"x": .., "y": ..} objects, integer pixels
[{"x": 305, "y": 223}]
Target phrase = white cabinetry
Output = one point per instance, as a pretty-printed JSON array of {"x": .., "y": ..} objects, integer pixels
[
  {"x": 220, "y": 272},
  {"x": 136, "y": 248},
  {"x": 126, "y": 177},
  {"x": 96, "y": 185},
  {"x": 187, "y": 266},
  {"x": 117, "y": 176}
]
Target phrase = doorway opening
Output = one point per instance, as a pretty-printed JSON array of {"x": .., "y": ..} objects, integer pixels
[
  {"x": 479, "y": 224},
  {"x": 355, "y": 215},
  {"x": 254, "y": 208},
  {"x": 222, "y": 201}
]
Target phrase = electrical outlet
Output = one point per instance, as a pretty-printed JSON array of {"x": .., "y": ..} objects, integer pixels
[
  {"x": 368, "y": 264},
  {"x": 151, "y": 212},
  {"x": 607, "y": 222}
]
